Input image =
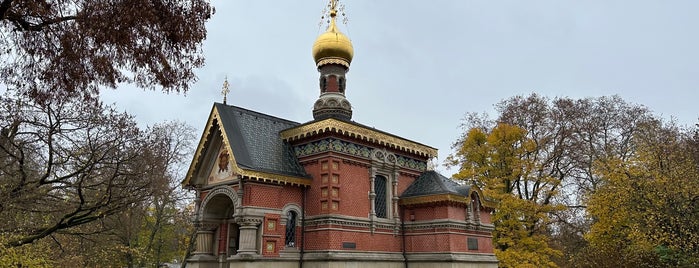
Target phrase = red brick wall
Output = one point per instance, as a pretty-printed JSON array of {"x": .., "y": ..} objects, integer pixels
[
  {"x": 312, "y": 192},
  {"x": 354, "y": 190},
  {"x": 403, "y": 182},
  {"x": 445, "y": 239},
  {"x": 323, "y": 239},
  {"x": 223, "y": 238},
  {"x": 338, "y": 188},
  {"x": 428, "y": 242},
  {"x": 344, "y": 181},
  {"x": 430, "y": 213},
  {"x": 457, "y": 213},
  {"x": 271, "y": 196},
  {"x": 485, "y": 216},
  {"x": 272, "y": 232}
]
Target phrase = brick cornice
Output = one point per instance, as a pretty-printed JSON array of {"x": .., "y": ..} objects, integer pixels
[
  {"x": 447, "y": 224},
  {"x": 352, "y": 151},
  {"x": 347, "y": 221}
]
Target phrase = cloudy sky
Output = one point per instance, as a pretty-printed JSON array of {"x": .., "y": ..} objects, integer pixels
[{"x": 419, "y": 66}]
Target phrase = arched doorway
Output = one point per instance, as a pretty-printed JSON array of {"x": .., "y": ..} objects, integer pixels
[{"x": 217, "y": 234}]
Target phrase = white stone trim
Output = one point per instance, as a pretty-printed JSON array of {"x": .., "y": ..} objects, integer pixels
[{"x": 451, "y": 257}]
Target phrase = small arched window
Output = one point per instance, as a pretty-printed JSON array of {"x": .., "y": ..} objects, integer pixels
[
  {"x": 475, "y": 209},
  {"x": 290, "y": 240}
]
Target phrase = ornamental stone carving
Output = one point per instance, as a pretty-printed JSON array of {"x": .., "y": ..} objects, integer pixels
[
  {"x": 225, "y": 190},
  {"x": 391, "y": 158},
  {"x": 248, "y": 221},
  {"x": 248, "y": 234},
  {"x": 382, "y": 156},
  {"x": 333, "y": 105},
  {"x": 204, "y": 238},
  {"x": 205, "y": 226}
]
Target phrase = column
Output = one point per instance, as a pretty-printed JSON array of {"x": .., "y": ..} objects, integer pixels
[
  {"x": 248, "y": 227},
  {"x": 394, "y": 196},
  {"x": 372, "y": 193},
  {"x": 394, "y": 204},
  {"x": 205, "y": 239}
]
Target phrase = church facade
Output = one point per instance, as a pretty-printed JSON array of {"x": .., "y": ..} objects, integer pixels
[{"x": 330, "y": 192}]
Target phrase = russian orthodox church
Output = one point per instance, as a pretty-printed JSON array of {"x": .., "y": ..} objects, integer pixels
[{"x": 330, "y": 192}]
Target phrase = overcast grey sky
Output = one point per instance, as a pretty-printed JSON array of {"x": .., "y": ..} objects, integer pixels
[{"x": 420, "y": 65}]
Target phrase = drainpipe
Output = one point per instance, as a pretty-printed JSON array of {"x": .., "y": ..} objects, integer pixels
[{"x": 303, "y": 226}]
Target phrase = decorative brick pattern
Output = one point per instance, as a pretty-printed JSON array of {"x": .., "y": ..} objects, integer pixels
[
  {"x": 357, "y": 150},
  {"x": 270, "y": 196},
  {"x": 272, "y": 235}
]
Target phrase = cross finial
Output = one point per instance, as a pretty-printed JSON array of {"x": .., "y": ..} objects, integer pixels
[
  {"x": 333, "y": 6},
  {"x": 431, "y": 166},
  {"x": 225, "y": 89},
  {"x": 330, "y": 13}
]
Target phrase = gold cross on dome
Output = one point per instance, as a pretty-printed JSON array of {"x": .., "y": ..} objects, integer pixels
[
  {"x": 331, "y": 11},
  {"x": 225, "y": 90}
]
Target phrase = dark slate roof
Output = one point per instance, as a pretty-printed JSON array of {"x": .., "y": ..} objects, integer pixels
[
  {"x": 255, "y": 142},
  {"x": 430, "y": 183}
]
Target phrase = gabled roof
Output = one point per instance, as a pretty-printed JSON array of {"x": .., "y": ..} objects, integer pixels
[
  {"x": 258, "y": 152},
  {"x": 432, "y": 186},
  {"x": 255, "y": 142}
]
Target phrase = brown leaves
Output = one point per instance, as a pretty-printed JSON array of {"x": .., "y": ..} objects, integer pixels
[{"x": 72, "y": 49}]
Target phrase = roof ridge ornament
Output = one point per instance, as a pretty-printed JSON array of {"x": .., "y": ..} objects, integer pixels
[
  {"x": 431, "y": 165},
  {"x": 225, "y": 90}
]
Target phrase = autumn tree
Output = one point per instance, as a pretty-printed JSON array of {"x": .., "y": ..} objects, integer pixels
[
  {"x": 543, "y": 151},
  {"x": 67, "y": 169},
  {"x": 501, "y": 161},
  {"x": 158, "y": 230},
  {"x": 646, "y": 210},
  {"x": 148, "y": 233},
  {"x": 54, "y": 49}
]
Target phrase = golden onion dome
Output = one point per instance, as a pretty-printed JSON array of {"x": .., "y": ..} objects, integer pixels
[{"x": 333, "y": 46}]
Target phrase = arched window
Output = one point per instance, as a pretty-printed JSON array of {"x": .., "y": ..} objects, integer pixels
[
  {"x": 380, "y": 205},
  {"x": 290, "y": 240}
]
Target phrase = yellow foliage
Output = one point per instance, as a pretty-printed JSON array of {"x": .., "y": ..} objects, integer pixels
[
  {"x": 518, "y": 236},
  {"x": 501, "y": 163},
  {"x": 647, "y": 205},
  {"x": 29, "y": 255}
]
